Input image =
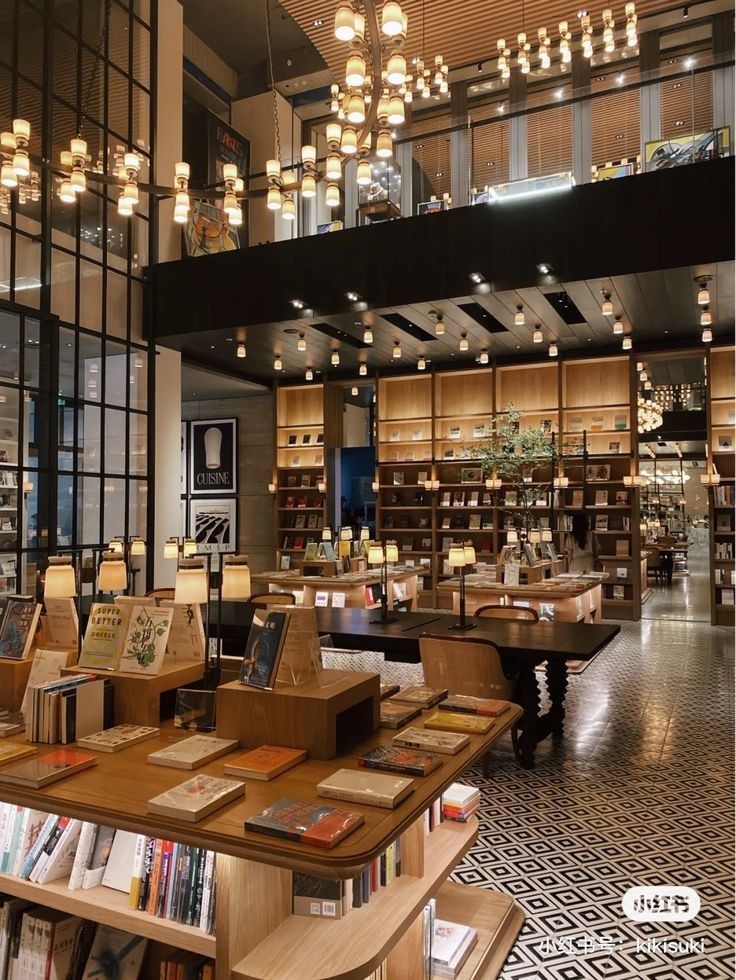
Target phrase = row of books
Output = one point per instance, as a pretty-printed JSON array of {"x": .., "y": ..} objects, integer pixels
[
  {"x": 36, "y": 942},
  {"x": 723, "y": 549},
  {"x": 723, "y": 495},
  {"x": 69, "y": 708},
  {"x": 447, "y": 945},
  {"x": 304, "y": 501},
  {"x": 298, "y": 543},
  {"x": 330, "y": 898},
  {"x": 311, "y": 522},
  {"x": 164, "y": 879}
]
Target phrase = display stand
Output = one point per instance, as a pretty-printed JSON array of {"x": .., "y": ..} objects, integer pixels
[
  {"x": 13, "y": 679},
  {"x": 138, "y": 697},
  {"x": 322, "y": 566}
]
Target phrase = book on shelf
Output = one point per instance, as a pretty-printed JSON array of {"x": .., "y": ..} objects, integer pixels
[
  {"x": 577, "y": 499},
  {"x": 69, "y": 708},
  {"x": 18, "y": 626},
  {"x": 196, "y": 798},
  {"x": 392, "y": 758},
  {"x": 13, "y": 722},
  {"x": 309, "y": 823},
  {"x": 598, "y": 472},
  {"x": 103, "y": 639},
  {"x": 264, "y": 763},
  {"x": 39, "y": 942},
  {"x": 47, "y": 768},
  {"x": 47, "y": 666},
  {"x": 115, "y": 953},
  {"x": 263, "y": 649},
  {"x": 189, "y": 753},
  {"x": 619, "y": 592},
  {"x": 601, "y": 522},
  {"x": 546, "y": 612},
  {"x": 620, "y": 422},
  {"x": 394, "y": 714},
  {"x": 601, "y": 498},
  {"x": 622, "y": 547},
  {"x": 488, "y": 707},
  {"x": 146, "y": 638},
  {"x": 117, "y": 738},
  {"x": 419, "y": 694},
  {"x": 446, "y": 743},
  {"x": 452, "y": 944},
  {"x": 186, "y": 641},
  {"x": 322, "y": 897},
  {"x": 452, "y": 721},
  {"x": 370, "y": 788},
  {"x": 388, "y": 689},
  {"x": 61, "y": 623},
  {"x": 446, "y": 499}
]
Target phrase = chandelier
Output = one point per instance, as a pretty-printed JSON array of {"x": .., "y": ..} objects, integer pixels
[
  {"x": 649, "y": 415},
  {"x": 366, "y": 106},
  {"x": 523, "y": 54}
]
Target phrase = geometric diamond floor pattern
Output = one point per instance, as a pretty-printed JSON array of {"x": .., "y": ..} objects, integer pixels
[{"x": 638, "y": 792}]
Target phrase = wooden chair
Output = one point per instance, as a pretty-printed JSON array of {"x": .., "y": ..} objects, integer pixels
[
  {"x": 160, "y": 594},
  {"x": 507, "y": 612},
  {"x": 467, "y": 665},
  {"x": 265, "y": 599}
]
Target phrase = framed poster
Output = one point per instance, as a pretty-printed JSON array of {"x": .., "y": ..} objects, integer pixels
[
  {"x": 213, "y": 524},
  {"x": 690, "y": 148},
  {"x": 184, "y": 453},
  {"x": 213, "y": 463}
]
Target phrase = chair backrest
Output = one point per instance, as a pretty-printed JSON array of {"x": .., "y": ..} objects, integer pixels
[
  {"x": 160, "y": 594},
  {"x": 263, "y": 599},
  {"x": 654, "y": 560},
  {"x": 507, "y": 612},
  {"x": 464, "y": 666}
]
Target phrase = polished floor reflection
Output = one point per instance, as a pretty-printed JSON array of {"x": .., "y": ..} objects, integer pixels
[
  {"x": 639, "y": 791},
  {"x": 687, "y": 597}
]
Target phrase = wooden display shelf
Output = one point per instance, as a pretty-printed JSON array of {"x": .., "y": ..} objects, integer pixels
[
  {"x": 304, "y": 948},
  {"x": 109, "y": 907},
  {"x": 496, "y": 918},
  {"x": 13, "y": 679},
  {"x": 137, "y": 697}
]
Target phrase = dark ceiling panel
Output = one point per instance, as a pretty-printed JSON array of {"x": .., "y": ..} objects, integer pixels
[
  {"x": 483, "y": 317},
  {"x": 406, "y": 325}
]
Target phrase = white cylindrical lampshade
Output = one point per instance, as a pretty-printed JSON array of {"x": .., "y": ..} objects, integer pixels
[
  {"x": 346, "y": 534},
  {"x": 171, "y": 548},
  {"x": 273, "y": 199},
  {"x": 333, "y": 133},
  {"x": 456, "y": 557},
  {"x": 355, "y": 71},
  {"x": 546, "y": 535},
  {"x": 333, "y": 167},
  {"x": 375, "y": 554},
  {"x": 512, "y": 537},
  {"x": 309, "y": 154},
  {"x": 116, "y": 546},
  {"x": 273, "y": 169},
  {"x": 288, "y": 212},
  {"x": 344, "y": 23},
  {"x": 469, "y": 553},
  {"x": 332, "y": 195},
  {"x": 396, "y": 69},
  {"x": 189, "y": 548},
  {"x": 212, "y": 446},
  {"x": 112, "y": 575},
  {"x": 309, "y": 186},
  {"x": 191, "y": 582},
  {"x": 365, "y": 174},
  {"x": 60, "y": 582},
  {"x": 355, "y": 113},
  {"x": 535, "y": 536},
  {"x": 137, "y": 547},
  {"x": 396, "y": 114},
  {"x": 365, "y": 534},
  {"x": 392, "y": 552},
  {"x": 326, "y": 534},
  {"x": 349, "y": 140},
  {"x": 384, "y": 145},
  {"x": 236, "y": 577},
  {"x": 392, "y": 21}
]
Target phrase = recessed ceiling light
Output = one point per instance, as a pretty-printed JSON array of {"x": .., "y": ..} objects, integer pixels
[
  {"x": 679, "y": 122},
  {"x": 545, "y": 268},
  {"x": 353, "y": 297},
  {"x": 318, "y": 23}
]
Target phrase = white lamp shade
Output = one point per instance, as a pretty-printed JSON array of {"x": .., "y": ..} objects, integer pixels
[
  {"x": 346, "y": 534},
  {"x": 546, "y": 535},
  {"x": 535, "y": 536},
  {"x": 236, "y": 579},
  {"x": 512, "y": 537},
  {"x": 60, "y": 582},
  {"x": 392, "y": 553},
  {"x": 171, "y": 548},
  {"x": 112, "y": 575},
  {"x": 375, "y": 554},
  {"x": 326, "y": 534},
  {"x": 456, "y": 557},
  {"x": 469, "y": 553},
  {"x": 137, "y": 548},
  {"x": 116, "y": 546},
  {"x": 189, "y": 548},
  {"x": 365, "y": 534},
  {"x": 191, "y": 584}
]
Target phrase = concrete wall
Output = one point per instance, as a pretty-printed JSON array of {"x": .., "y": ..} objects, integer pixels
[{"x": 256, "y": 461}]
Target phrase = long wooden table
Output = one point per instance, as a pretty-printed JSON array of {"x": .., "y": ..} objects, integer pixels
[{"x": 522, "y": 647}]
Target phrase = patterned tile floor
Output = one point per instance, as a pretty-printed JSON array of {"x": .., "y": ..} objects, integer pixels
[{"x": 639, "y": 791}]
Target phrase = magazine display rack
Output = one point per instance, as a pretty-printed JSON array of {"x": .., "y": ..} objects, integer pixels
[
  {"x": 256, "y": 934},
  {"x": 13, "y": 679},
  {"x": 138, "y": 697}
]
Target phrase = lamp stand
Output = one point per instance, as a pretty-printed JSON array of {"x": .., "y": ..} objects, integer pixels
[
  {"x": 463, "y": 625},
  {"x": 385, "y": 619}
]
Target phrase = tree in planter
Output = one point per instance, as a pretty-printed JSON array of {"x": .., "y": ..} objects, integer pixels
[{"x": 524, "y": 458}]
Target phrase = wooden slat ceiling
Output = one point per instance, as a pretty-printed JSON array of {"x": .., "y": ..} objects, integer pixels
[{"x": 461, "y": 31}]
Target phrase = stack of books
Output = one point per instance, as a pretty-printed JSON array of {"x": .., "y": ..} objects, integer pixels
[
  {"x": 460, "y": 802},
  {"x": 452, "y": 944},
  {"x": 70, "y": 708}
]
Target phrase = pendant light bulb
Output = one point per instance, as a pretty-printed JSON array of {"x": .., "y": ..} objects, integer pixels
[
  {"x": 365, "y": 173},
  {"x": 392, "y": 19},
  {"x": 396, "y": 69},
  {"x": 618, "y": 327},
  {"x": 421, "y": 364},
  {"x": 367, "y": 336},
  {"x": 349, "y": 141},
  {"x": 464, "y": 343},
  {"x": 273, "y": 199},
  {"x": 484, "y": 357},
  {"x": 344, "y": 22},
  {"x": 706, "y": 318},
  {"x": 703, "y": 296},
  {"x": 288, "y": 211},
  {"x": 301, "y": 344},
  {"x": 607, "y": 307},
  {"x": 308, "y": 186},
  {"x": 396, "y": 352},
  {"x": 335, "y": 359},
  {"x": 707, "y": 335},
  {"x": 439, "y": 327},
  {"x": 627, "y": 343},
  {"x": 363, "y": 369},
  {"x": 332, "y": 195},
  {"x": 309, "y": 375},
  {"x": 538, "y": 336},
  {"x": 384, "y": 145},
  {"x": 333, "y": 168},
  {"x": 241, "y": 351},
  {"x": 355, "y": 71},
  {"x": 553, "y": 350},
  {"x": 519, "y": 318},
  {"x": 278, "y": 364}
]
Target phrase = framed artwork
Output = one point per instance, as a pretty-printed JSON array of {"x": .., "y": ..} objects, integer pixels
[
  {"x": 691, "y": 148},
  {"x": 208, "y": 231},
  {"x": 471, "y": 474},
  {"x": 213, "y": 524},
  {"x": 213, "y": 456},
  {"x": 184, "y": 458}
]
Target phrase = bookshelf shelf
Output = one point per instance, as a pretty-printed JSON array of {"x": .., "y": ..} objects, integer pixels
[
  {"x": 109, "y": 907},
  {"x": 303, "y": 948},
  {"x": 721, "y": 402},
  {"x": 493, "y": 915}
]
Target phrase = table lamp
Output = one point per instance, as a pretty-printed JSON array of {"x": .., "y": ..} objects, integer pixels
[
  {"x": 188, "y": 548},
  {"x": 171, "y": 548},
  {"x": 346, "y": 539},
  {"x": 461, "y": 556},
  {"x": 191, "y": 584},
  {"x": 235, "y": 580},
  {"x": 60, "y": 581},
  {"x": 112, "y": 575},
  {"x": 378, "y": 556}
]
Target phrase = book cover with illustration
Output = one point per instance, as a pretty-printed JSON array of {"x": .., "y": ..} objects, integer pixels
[
  {"x": 263, "y": 649},
  {"x": 18, "y": 627},
  {"x": 146, "y": 639},
  {"x": 309, "y": 823}
]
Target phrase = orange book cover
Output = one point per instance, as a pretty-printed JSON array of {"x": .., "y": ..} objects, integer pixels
[{"x": 265, "y": 762}]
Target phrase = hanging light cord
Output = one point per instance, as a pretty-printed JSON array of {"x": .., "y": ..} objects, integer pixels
[
  {"x": 95, "y": 70},
  {"x": 273, "y": 83}
]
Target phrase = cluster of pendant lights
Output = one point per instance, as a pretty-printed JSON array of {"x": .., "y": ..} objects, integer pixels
[
  {"x": 350, "y": 104},
  {"x": 545, "y": 43},
  {"x": 16, "y": 173},
  {"x": 706, "y": 317}
]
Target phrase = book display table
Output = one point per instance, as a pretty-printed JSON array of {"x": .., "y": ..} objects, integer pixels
[
  {"x": 351, "y": 588},
  {"x": 573, "y": 600},
  {"x": 13, "y": 679},
  {"x": 138, "y": 697},
  {"x": 256, "y": 934}
]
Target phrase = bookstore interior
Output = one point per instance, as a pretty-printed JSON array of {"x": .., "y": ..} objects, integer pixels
[{"x": 367, "y": 419}]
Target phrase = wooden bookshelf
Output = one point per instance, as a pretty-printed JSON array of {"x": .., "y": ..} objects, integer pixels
[
  {"x": 11, "y": 500},
  {"x": 300, "y": 470},
  {"x": 721, "y": 419}
]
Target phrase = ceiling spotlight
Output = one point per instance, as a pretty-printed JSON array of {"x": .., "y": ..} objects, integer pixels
[
  {"x": 301, "y": 344},
  {"x": 396, "y": 352},
  {"x": 545, "y": 268},
  {"x": 519, "y": 318},
  {"x": 483, "y": 357},
  {"x": 298, "y": 304},
  {"x": 464, "y": 342},
  {"x": 439, "y": 327},
  {"x": 476, "y": 277},
  {"x": 363, "y": 369},
  {"x": 707, "y": 335},
  {"x": 309, "y": 375},
  {"x": 367, "y": 336},
  {"x": 538, "y": 335},
  {"x": 618, "y": 327},
  {"x": 706, "y": 318},
  {"x": 353, "y": 297},
  {"x": 607, "y": 307},
  {"x": 277, "y": 364},
  {"x": 241, "y": 352},
  {"x": 335, "y": 358},
  {"x": 553, "y": 349},
  {"x": 421, "y": 364},
  {"x": 354, "y": 390},
  {"x": 627, "y": 343}
]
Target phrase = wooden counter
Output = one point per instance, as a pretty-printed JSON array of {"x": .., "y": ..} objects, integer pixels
[
  {"x": 574, "y": 600},
  {"x": 351, "y": 585}
]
